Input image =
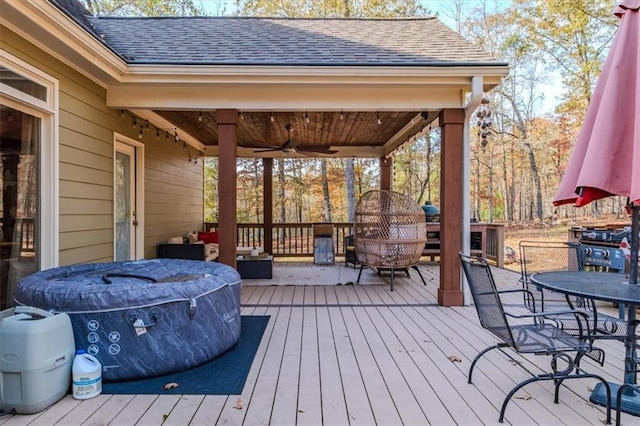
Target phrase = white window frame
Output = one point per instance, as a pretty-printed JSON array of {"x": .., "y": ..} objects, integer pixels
[{"x": 48, "y": 113}]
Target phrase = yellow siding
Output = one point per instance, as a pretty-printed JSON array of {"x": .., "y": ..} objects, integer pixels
[{"x": 174, "y": 187}]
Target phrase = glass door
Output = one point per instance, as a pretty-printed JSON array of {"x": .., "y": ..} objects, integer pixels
[
  {"x": 125, "y": 202},
  {"x": 19, "y": 198}
]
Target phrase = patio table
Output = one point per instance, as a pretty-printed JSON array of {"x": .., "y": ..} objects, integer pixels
[{"x": 608, "y": 287}]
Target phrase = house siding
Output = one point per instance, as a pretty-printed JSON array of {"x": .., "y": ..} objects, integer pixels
[{"x": 174, "y": 202}]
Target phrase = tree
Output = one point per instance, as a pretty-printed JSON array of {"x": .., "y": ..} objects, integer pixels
[
  {"x": 331, "y": 8},
  {"x": 143, "y": 8},
  {"x": 573, "y": 36}
]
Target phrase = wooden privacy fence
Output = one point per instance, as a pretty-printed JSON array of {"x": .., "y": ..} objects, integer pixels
[{"x": 296, "y": 239}]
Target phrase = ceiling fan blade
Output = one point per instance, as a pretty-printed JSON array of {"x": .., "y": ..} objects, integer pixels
[
  {"x": 268, "y": 149},
  {"x": 320, "y": 149}
]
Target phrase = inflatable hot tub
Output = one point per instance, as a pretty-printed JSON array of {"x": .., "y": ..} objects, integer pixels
[{"x": 143, "y": 318}]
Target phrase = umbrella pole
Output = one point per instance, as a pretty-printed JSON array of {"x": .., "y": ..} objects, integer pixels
[
  {"x": 635, "y": 227},
  {"x": 630, "y": 366}
]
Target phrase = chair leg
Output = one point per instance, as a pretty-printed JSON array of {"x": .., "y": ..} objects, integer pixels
[
  {"x": 420, "y": 273},
  {"x": 359, "y": 273},
  {"x": 392, "y": 274},
  {"x": 484, "y": 351},
  {"x": 557, "y": 382},
  {"x": 621, "y": 389}
]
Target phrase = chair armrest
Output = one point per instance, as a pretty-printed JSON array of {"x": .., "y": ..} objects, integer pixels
[
  {"x": 532, "y": 299},
  {"x": 584, "y": 324}
]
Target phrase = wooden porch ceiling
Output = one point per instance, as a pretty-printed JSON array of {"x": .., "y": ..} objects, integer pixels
[{"x": 351, "y": 133}]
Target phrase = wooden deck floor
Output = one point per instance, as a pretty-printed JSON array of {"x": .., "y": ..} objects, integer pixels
[{"x": 360, "y": 355}]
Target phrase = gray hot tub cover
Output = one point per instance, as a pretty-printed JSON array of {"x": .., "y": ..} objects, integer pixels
[{"x": 189, "y": 311}]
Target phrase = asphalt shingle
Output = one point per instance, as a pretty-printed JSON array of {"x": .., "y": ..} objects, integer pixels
[{"x": 281, "y": 41}]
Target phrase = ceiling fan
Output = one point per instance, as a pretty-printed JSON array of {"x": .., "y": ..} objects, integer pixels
[{"x": 292, "y": 147}]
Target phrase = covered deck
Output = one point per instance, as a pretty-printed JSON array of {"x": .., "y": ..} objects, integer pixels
[{"x": 361, "y": 354}]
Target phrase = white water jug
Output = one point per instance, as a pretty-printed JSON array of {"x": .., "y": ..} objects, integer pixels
[{"x": 86, "y": 376}]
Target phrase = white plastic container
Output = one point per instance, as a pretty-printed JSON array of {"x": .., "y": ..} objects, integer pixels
[
  {"x": 36, "y": 353},
  {"x": 86, "y": 376}
]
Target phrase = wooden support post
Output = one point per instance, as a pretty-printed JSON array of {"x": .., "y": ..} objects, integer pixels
[
  {"x": 267, "y": 201},
  {"x": 452, "y": 125},
  {"x": 385, "y": 173},
  {"x": 227, "y": 120}
]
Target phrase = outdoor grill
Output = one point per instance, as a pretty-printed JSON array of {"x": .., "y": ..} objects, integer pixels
[{"x": 601, "y": 246}]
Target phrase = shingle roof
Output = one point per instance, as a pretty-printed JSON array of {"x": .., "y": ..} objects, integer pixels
[
  {"x": 281, "y": 41},
  {"x": 286, "y": 41}
]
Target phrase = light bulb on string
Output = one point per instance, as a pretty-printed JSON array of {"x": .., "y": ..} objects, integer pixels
[
  {"x": 140, "y": 134},
  {"x": 341, "y": 115},
  {"x": 135, "y": 123},
  {"x": 271, "y": 118},
  {"x": 379, "y": 121},
  {"x": 200, "y": 116}
]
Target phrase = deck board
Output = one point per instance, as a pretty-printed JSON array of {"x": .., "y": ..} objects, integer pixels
[{"x": 361, "y": 354}]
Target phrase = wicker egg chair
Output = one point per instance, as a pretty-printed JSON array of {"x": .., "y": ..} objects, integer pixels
[{"x": 390, "y": 232}]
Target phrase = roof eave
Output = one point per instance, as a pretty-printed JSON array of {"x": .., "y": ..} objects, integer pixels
[
  {"x": 53, "y": 31},
  {"x": 453, "y": 74}
]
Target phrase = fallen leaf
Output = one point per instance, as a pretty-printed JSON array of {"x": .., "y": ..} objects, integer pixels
[
  {"x": 238, "y": 403},
  {"x": 165, "y": 417},
  {"x": 300, "y": 411},
  {"x": 524, "y": 397},
  {"x": 171, "y": 385},
  {"x": 454, "y": 358}
]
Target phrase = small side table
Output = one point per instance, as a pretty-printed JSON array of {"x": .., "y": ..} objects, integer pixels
[{"x": 258, "y": 267}]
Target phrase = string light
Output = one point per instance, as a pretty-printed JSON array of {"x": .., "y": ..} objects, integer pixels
[
  {"x": 379, "y": 121},
  {"x": 271, "y": 118},
  {"x": 141, "y": 126},
  {"x": 306, "y": 117},
  {"x": 200, "y": 116},
  {"x": 341, "y": 115}
]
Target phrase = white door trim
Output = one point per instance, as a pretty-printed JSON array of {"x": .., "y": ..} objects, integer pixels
[{"x": 120, "y": 140}]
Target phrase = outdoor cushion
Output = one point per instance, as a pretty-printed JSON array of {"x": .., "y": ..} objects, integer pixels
[{"x": 208, "y": 237}]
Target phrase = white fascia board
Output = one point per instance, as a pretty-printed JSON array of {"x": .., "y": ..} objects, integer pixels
[
  {"x": 362, "y": 75},
  {"x": 44, "y": 25},
  {"x": 285, "y": 97}
]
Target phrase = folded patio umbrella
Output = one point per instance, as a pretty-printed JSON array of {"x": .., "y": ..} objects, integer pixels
[{"x": 606, "y": 158}]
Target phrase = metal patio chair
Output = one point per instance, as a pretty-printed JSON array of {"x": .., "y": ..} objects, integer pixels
[
  {"x": 540, "y": 336},
  {"x": 546, "y": 256}
]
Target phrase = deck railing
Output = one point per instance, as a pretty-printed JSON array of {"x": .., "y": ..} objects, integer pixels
[{"x": 296, "y": 239}]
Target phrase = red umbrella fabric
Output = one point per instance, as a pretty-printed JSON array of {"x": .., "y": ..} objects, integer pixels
[{"x": 606, "y": 158}]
